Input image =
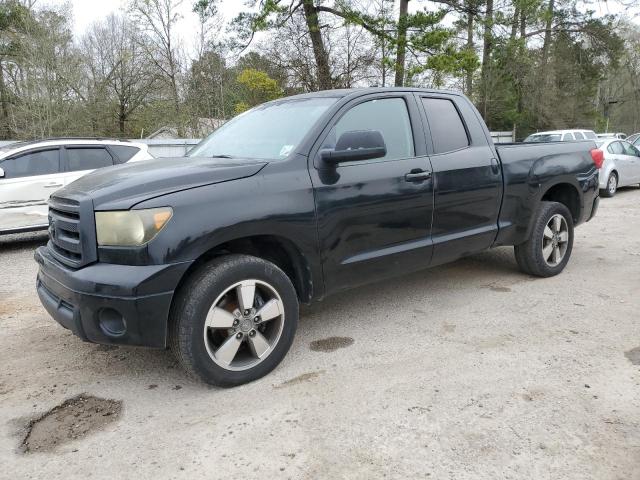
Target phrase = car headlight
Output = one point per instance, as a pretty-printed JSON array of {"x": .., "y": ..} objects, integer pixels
[{"x": 130, "y": 228}]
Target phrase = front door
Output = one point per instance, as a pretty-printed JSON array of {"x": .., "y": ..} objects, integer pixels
[
  {"x": 374, "y": 216},
  {"x": 29, "y": 179}
]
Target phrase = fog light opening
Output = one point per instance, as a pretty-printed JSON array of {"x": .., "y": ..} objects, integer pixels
[{"x": 111, "y": 322}]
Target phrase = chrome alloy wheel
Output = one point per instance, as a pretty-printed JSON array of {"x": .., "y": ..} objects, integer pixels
[
  {"x": 243, "y": 325},
  {"x": 555, "y": 240},
  {"x": 612, "y": 184}
]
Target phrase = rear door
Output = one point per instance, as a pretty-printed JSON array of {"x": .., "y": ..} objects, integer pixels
[
  {"x": 82, "y": 159},
  {"x": 374, "y": 216},
  {"x": 467, "y": 179},
  {"x": 29, "y": 179}
]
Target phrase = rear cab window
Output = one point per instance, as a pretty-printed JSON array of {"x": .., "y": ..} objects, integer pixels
[
  {"x": 448, "y": 131},
  {"x": 579, "y": 136},
  {"x": 567, "y": 137}
]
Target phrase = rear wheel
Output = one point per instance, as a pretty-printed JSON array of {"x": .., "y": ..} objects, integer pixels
[
  {"x": 234, "y": 320},
  {"x": 612, "y": 185},
  {"x": 548, "y": 250}
]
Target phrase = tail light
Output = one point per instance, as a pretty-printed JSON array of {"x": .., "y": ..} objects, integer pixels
[{"x": 598, "y": 157}]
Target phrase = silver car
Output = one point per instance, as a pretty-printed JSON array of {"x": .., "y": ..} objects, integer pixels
[
  {"x": 621, "y": 165},
  {"x": 31, "y": 171}
]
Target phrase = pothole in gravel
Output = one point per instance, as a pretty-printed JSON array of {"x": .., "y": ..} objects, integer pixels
[
  {"x": 633, "y": 355},
  {"x": 330, "y": 344},
  {"x": 74, "y": 418}
]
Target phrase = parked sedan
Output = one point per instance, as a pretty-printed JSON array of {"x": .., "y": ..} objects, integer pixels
[
  {"x": 634, "y": 138},
  {"x": 621, "y": 166},
  {"x": 31, "y": 171}
]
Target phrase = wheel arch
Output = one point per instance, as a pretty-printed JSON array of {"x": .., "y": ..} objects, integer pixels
[
  {"x": 568, "y": 195},
  {"x": 279, "y": 250}
]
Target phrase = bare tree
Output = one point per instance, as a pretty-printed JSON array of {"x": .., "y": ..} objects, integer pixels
[
  {"x": 157, "y": 20},
  {"x": 119, "y": 71}
]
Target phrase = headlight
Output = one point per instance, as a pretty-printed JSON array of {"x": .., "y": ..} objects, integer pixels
[{"x": 130, "y": 228}]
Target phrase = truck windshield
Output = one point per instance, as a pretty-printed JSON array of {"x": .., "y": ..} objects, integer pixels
[
  {"x": 271, "y": 131},
  {"x": 550, "y": 137}
]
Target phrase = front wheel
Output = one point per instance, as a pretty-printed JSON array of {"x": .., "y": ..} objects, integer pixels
[
  {"x": 547, "y": 251},
  {"x": 234, "y": 320}
]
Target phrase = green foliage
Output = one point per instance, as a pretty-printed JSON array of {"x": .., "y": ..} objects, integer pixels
[{"x": 257, "y": 87}]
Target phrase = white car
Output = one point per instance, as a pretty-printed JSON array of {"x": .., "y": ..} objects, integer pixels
[
  {"x": 31, "y": 171},
  {"x": 621, "y": 166},
  {"x": 619, "y": 135},
  {"x": 561, "y": 136}
]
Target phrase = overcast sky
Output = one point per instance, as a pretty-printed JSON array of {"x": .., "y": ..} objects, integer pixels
[{"x": 86, "y": 12}]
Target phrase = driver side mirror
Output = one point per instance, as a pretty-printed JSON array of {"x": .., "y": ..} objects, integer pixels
[
  {"x": 356, "y": 145},
  {"x": 1, "y": 173}
]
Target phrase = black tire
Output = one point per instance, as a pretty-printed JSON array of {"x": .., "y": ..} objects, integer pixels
[
  {"x": 529, "y": 255},
  {"x": 195, "y": 298},
  {"x": 610, "y": 192}
]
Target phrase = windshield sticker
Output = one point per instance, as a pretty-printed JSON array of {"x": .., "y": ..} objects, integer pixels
[{"x": 286, "y": 150}]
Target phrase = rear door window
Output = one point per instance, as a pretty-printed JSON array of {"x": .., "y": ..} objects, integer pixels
[
  {"x": 41, "y": 162},
  {"x": 447, "y": 129},
  {"x": 87, "y": 158},
  {"x": 616, "y": 148}
]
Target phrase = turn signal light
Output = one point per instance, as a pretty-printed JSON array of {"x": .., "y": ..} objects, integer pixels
[{"x": 598, "y": 157}]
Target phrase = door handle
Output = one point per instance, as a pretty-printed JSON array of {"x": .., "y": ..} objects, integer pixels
[
  {"x": 53, "y": 185},
  {"x": 417, "y": 175},
  {"x": 495, "y": 166}
]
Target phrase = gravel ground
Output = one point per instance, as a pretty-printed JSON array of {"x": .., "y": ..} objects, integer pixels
[{"x": 467, "y": 371}]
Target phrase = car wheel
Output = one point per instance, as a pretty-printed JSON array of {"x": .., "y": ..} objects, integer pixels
[
  {"x": 548, "y": 250},
  {"x": 612, "y": 185},
  {"x": 233, "y": 320}
]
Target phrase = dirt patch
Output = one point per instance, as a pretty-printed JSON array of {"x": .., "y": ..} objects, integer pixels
[
  {"x": 330, "y": 344},
  {"x": 633, "y": 355},
  {"x": 72, "y": 419},
  {"x": 500, "y": 289},
  {"x": 305, "y": 377}
]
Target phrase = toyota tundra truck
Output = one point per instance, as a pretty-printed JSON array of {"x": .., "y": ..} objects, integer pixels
[{"x": 296, "y": 199}]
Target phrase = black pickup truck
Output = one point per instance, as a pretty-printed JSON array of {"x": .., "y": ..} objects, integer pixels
[{"x": 289, "y": 202}]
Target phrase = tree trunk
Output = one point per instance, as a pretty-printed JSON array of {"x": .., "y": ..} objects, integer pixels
[
  {"x": 468, "y": 84},
  {"x": 547, "y": 35},
  {"x": 486, "y": 59},
  {"x": 5, "y": 128},
  {"x": 514, "y": 22},
  {"x": 402, "y": 42},
  {"x": 319, "y": 52},
  {"x": 523, "y": 22},
  {"x": 122, "y": 118}
]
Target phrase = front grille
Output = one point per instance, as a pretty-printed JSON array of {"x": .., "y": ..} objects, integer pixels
[{"x": 67, "y": 241}]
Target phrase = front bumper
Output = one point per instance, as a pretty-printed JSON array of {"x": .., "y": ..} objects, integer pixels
[{"x": 108, "y": 303}]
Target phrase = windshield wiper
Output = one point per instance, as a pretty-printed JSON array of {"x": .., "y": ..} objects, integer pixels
[{"x": 216, "y": 155}]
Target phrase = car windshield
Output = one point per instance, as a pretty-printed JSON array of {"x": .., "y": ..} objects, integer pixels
[
  {"x": 547, "y": 137},
  {"x": 271, "y": 131}
]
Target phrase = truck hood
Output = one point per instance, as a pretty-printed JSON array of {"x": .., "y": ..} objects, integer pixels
[{"x": 123, "y": 186}]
